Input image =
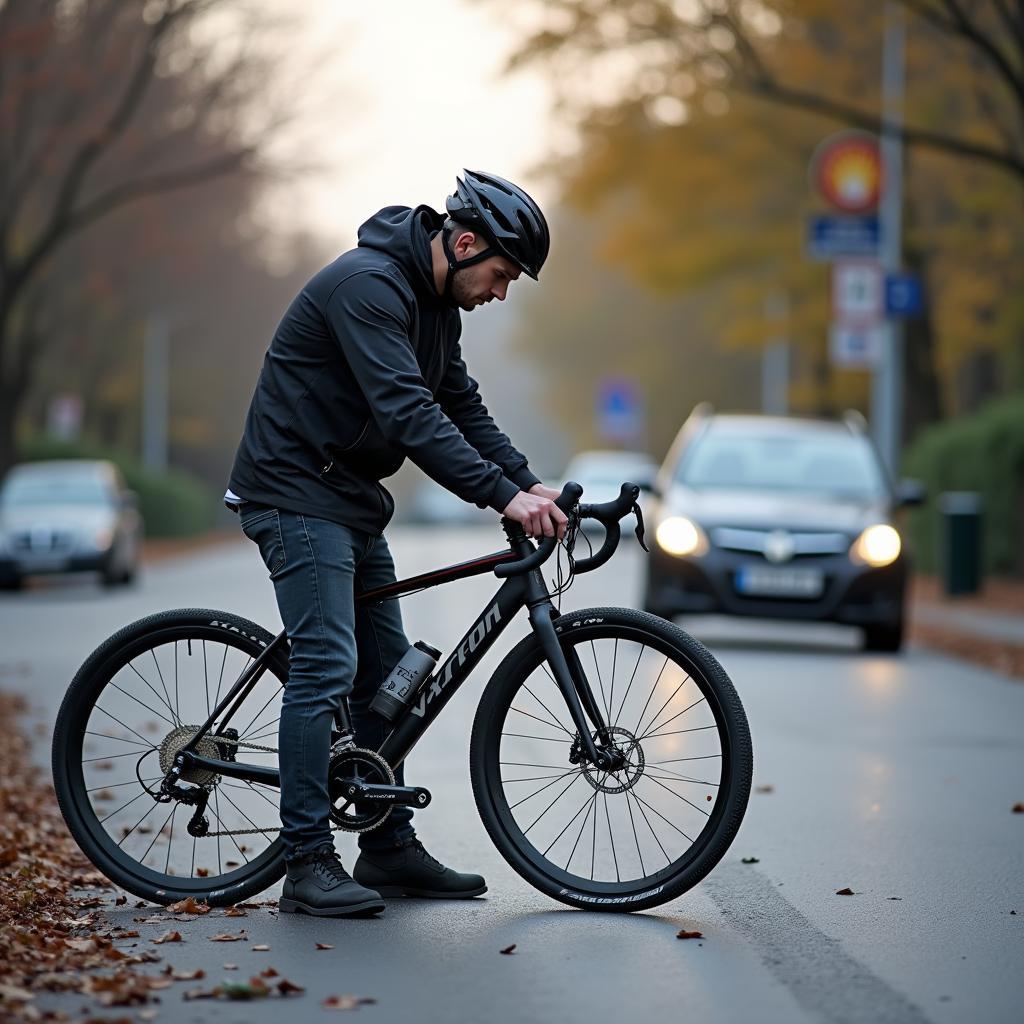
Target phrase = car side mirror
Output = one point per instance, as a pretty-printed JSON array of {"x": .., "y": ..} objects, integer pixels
[{"x": 910, "y": 493}]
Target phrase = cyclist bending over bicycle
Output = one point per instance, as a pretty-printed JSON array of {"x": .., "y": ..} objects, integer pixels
[{"x": 365, "y": 369}]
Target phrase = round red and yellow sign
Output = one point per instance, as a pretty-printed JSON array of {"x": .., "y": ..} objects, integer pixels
[{"x": 847, "y": 170}]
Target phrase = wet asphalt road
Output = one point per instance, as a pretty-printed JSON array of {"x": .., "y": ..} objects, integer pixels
[{"x": 894, "y": 776}]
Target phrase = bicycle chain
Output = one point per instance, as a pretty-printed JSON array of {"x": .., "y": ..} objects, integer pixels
[{"x": 249, "y": 831}]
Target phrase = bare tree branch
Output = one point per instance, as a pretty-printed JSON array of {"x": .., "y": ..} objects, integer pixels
[{"x": 819, "y": 104}]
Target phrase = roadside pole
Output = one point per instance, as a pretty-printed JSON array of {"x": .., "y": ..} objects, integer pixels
[{"x": 887, "y": 379}]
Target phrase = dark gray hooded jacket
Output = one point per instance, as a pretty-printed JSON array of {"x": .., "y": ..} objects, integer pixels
[{"x": 364, "y": 370}]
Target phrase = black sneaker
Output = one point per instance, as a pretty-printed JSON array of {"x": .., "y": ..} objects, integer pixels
[
  {"x": 317, "y": 884},
  {"x": 408, "y": 870}
]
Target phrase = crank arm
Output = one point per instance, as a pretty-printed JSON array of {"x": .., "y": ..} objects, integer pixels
[{"x": 367, "y": 792}]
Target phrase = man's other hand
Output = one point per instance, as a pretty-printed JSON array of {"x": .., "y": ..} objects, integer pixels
[
  {"x": 545, "y": 492},
  {"x": 537, "y": 513}
]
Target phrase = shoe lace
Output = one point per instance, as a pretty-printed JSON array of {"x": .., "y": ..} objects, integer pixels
[
  {"x": 422, "y": 850},
  {"x": 329, "y": 862}
]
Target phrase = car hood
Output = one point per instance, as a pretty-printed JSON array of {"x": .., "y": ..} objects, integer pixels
[
  {"x": 57, "y": 517},
  {"x": 771, "y": 510}
]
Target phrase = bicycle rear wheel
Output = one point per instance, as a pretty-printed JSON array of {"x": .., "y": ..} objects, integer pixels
[
  {"x": 624, "y": 840},
  {"x": 134, "y": 702}
]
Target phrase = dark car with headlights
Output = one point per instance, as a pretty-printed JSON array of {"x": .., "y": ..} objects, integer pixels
[
  {"x": 73, "y": 515},
  {"x": 779, "y": 517}
]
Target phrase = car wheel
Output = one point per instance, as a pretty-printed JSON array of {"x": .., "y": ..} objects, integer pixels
[{"x": 887, "y": 637}]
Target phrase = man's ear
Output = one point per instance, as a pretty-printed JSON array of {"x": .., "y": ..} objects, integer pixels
[{"x": 464, "y": 242}]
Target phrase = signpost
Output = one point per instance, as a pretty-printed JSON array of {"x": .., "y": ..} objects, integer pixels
[{"x": 619, "y": 410}]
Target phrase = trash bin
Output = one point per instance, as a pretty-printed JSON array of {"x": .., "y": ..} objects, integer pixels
[{"x": 959, "y": 537}]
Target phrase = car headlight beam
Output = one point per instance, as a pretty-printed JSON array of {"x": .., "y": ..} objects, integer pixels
[
  {"x": 877, "y": 546},
  {"x": 681, "y": 537}
]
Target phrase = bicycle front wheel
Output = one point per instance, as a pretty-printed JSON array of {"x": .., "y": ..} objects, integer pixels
[
  {"x": 135, "y": 702},
  {"x": 646, "y": 833}
]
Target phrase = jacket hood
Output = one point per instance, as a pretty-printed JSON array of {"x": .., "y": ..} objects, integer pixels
[{"x": 404, "y": 234}]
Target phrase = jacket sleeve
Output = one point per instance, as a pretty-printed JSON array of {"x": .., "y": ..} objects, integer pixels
[
  {"x": 370, "y": 317},
  {"x": 459, "y": 396}
]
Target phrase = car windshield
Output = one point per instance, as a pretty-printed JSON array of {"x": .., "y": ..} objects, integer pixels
[
  {"x": 55, "y": 489},
  {"x": 824, "y": 463}
]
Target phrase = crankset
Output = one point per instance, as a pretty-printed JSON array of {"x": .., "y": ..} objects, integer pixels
[{"x": 362, "y": 790}]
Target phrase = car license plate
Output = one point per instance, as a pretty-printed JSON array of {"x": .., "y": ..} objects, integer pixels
[{"x": 763, "y": 581}]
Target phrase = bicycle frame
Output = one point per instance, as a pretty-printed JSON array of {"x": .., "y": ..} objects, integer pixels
[{"x": 515, "y": 593}]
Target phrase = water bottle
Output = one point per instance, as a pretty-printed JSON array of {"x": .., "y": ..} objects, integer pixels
[{"x": 397, "y": 691}]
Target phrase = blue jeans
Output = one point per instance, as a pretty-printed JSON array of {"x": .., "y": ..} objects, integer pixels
[{"x": 337, "y": 650}]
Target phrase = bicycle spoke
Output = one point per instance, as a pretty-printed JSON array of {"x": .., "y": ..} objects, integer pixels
[
  {"x": 127, "y": 753},
  {"x": 130, "y": 782},
  {"x": 530, "y": 764},
  {"x": 700, "y": 700},
  {"x": 541, "y": 720},
  {"x": 611, "y": 691},
  {"x": 220, "y": 678},
  {"x": 636, "y": 838},
  {"x": 590, "y": 803},
  {"x": 571, "y": 820},
  {"x": 152, "y": 652},
  {"x": 146, "y": 706},
  {"x": 531, "y": 778},
  {"x": 554, "y": 717},
  {"x": 220, "y": 822},
  {"x": 572, "y": 782},
  {"x": 156, "y": 836},
  {"x": 547, "y": 739},
  {"x": 679, "y": 796},
  {"x": 170, "y": 839},
  {"x": 145, "y": 742},
  {"x": 149, "y": 811},
  {"x": 679, "y": 732},
  {"x": 252, "y": 721},
  {"x": 572, "y": 771},
  {"x": 166, "y": 702},
  {"x": 678, "y": 777},
  {"x": 629, "y": 685},
  {"x": 206, "y": 680},
  {"x": 611, "y": 838},
  {"x": 649, "y": 696},
  {"x": 663, "y": 706},
  {"x": 640, "y": 799},
  {"x": 668, "y": 859},
  {"x": 674, "y": 760},
  {"x": 138, "y": 796}
]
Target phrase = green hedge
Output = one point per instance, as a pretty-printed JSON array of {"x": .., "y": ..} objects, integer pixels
[
  {"x": 983, "y": 453},
  {"x": 173, "y": 503}
]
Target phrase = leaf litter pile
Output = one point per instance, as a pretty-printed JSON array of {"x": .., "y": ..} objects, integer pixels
[{"x": 53, "y": 940}]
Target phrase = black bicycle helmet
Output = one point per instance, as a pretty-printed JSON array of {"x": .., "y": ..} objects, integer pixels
[{"x": 505, "y": 215}]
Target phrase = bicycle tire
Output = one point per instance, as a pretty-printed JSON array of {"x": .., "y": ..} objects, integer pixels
[
  {"x": 146, "y": 634},
  {"x": 723, "y": 704}
]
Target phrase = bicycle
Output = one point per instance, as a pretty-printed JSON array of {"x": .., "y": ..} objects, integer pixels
[{"x": 553, "y": 718}]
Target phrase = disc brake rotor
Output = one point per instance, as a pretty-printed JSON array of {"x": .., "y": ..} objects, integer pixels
[{"x": 627, "y": 776}]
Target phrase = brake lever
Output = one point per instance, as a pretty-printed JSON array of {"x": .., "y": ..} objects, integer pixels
[{"x": 640, "y": 526}]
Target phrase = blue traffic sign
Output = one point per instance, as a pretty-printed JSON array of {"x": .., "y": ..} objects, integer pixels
[
  {"x": 903, "y": 295},
  {"x": 832, "y": 236},
  {"x": 620, "y": 415}
]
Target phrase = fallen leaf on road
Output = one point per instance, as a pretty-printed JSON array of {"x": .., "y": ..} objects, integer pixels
[
  {"x": 235, "y": 912},
  {"x": 201, "y": 993},
  {"x": 228, "y": 937},
  {"x": 167, "y": 937},
  {"x": 230, "y": 967},
  {"x": 508, "y": 949},
  {"x": 768, "y": 788},
  {"x": 189, "y": 905},
  {"x": 346, "y": 1002},
  {"x": 254, "y": 989},
  {"x": 845, "y": 892},
  {"x": 1018, "y": 808},
  {"x": 684, "y": 934},
  {"x": 751, "y": 860},
  {"x": 285, "y": 987},
  {"x": 262, "y": 948},
  {"x": 894, "y": 897},
  {"x": 175, "y": 975},
  {"x": 324, "y": 945},
  {"x": 202, "y": 872},
  {"x": 120, "y": 901},
  {"x": 268, "y": 973}
]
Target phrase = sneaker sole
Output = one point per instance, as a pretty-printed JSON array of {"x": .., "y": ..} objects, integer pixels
[
  {"x": 367, "y": 909},
  {"x": 428, "y": 894}
]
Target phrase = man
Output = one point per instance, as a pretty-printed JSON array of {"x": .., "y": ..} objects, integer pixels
[{"x": 364, "y": 370}]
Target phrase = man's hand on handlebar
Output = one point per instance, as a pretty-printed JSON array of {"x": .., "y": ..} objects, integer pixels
[{"x": 537, "y": 512}]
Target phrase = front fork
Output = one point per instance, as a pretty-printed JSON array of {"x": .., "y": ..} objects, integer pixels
[{"x": 572, "y": 681}]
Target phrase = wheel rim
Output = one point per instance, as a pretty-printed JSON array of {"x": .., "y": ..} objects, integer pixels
[
  {"x": 592, "y": 832},
  {"x": 144, "y": 698}
]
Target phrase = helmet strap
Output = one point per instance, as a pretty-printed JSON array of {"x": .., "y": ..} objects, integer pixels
[{"x": 454, "y": 264}]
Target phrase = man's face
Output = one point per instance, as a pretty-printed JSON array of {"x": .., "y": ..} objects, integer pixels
[{"x": 482, "y": 282}]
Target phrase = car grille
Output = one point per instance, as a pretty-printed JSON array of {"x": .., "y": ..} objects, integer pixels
[
  {"x": 779, "y": 545},
  {"x": 42, "y": 540}
]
